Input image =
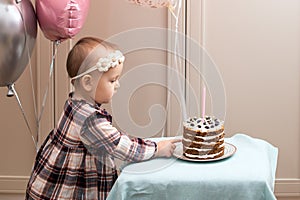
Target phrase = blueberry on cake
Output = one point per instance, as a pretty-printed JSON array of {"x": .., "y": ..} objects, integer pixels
[{"x": 203, "y": 138}]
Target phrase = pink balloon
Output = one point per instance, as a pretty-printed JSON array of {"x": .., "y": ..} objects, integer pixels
[{"x": 61, "y": 19}]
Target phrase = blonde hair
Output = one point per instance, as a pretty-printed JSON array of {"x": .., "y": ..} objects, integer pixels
[{"x": 85, "y": 53}]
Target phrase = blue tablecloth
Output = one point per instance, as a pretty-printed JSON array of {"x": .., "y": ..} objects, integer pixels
[{"x": 248, "y": 174}]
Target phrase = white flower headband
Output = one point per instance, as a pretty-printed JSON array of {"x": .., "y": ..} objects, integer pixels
[{"x": 104, "y": 64}]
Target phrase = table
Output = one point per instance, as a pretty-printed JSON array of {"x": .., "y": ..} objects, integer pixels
[{"x": 247, "y": 175}]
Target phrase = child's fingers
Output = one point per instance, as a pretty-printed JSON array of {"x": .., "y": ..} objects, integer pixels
[{"x": 176, "y": 140}]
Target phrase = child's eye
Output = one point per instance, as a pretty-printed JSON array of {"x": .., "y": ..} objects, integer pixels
[{"x": 114, "y": 79}]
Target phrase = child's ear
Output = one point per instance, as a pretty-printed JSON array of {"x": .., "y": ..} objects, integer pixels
[{"x": 87, "y": 83}]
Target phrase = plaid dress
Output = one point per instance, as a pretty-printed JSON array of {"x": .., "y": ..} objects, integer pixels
[{"x": 76, "y": 161}]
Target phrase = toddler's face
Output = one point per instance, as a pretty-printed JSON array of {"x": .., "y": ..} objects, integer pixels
[{"x": 108, "y": 84}]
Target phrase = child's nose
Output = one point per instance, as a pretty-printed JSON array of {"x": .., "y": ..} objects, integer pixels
[{"x": 117, "y": 84}]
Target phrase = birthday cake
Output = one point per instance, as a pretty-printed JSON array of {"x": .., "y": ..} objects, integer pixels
[{"x": 203, "y": 138}]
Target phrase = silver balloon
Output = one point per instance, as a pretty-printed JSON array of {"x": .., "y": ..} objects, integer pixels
[{"x": 18, "y": 31}]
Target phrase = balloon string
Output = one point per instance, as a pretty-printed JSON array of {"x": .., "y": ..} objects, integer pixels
[
  {"x": 29, "y": 59},
  {"x": 177, "y": 61},
  {"x": 23, "y": 113},
  {"x": 56, "y": 43},
  {"x": 33, "y": 90},
  {"x": 30, "y": 70},
  {"x": 171, "y": 8}
]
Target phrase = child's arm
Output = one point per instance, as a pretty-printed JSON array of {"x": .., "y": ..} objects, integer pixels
[{"x": 101, "y": 139}]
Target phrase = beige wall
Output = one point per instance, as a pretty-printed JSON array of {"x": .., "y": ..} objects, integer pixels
[
  {"x": 256, "y": 46},
  {"x": 258, "y": 57}
]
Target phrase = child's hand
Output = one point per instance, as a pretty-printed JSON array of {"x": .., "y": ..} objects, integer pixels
[{"x": 166, "y": 148}]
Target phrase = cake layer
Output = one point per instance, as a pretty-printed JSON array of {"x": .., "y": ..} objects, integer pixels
[
  {"x": 202, "y": 145},
  {"x": 207, "y": 124},
  {"x": 202, "y": 151},
  {"x": 201, "y": 133},
  {"x": 214, "y": 138},
  {"x": 204, "y": 157}
]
